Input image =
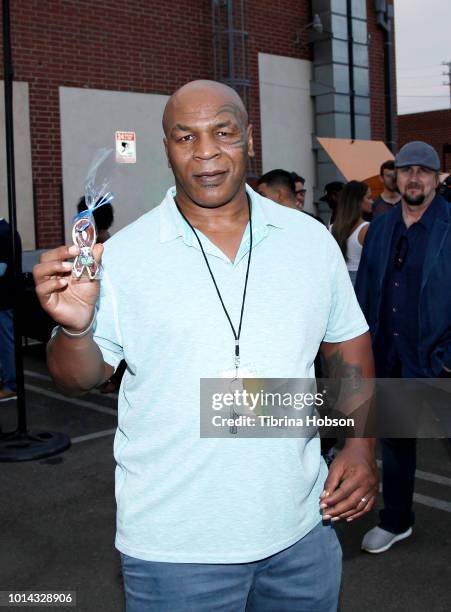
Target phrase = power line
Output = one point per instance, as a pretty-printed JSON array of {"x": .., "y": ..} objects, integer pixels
[
  {"x": 401, "y": 96},
  {"x": 415, "y": 76},
  {"x": 424, "y": 67}
]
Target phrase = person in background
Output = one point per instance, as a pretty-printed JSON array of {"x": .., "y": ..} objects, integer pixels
[
  {"x": 8, "y": 390},
  {"x": 404, "y": 290},
  {"x": 390, "y": 196},
  {"x": 103, "y": 217},
  {"x": 331, "y": 194},
  {"x": 299, "y": 189},
  {"x": 279, "y": 186},
  {"x": 349, "y": 228}
]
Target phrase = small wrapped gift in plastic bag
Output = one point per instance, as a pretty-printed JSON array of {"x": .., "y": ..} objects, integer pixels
[{"x": 84, "y": 232}]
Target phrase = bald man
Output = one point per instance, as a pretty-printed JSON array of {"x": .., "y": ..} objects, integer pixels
[{"x": 190, "y": 291}]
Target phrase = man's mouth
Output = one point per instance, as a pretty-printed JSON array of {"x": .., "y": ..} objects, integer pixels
[{"x": 211, "y": 178}]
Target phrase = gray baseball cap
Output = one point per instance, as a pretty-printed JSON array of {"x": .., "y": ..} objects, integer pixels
[{"x": 417, "y": 153}]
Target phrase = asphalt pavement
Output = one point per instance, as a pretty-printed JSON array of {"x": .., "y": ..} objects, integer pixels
[{"x": 57, "y": 516}]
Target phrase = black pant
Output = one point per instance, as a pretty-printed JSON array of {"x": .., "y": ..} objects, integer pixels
[{"x": 398, "y": 481}]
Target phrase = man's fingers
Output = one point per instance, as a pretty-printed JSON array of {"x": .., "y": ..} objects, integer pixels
[
  {"x": 53, "y": 262},
  {"x": 344, "y": 491},
  {"x": 60, "y": 254},
  {"x": 351, "y": 504},
  {"x": 352, "y": 514},
  {"x": 47, "y": 288},
  {"x": 51, "y": 268},
  {"x": 369, "y": 506},
  {"x": 332, "y": 480}
]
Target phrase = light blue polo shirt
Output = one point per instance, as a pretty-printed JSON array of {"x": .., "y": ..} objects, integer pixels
[{"x": 181, "y": 498}]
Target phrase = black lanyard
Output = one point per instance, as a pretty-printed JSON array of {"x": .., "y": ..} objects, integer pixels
[{"x": 235, "y": 334}]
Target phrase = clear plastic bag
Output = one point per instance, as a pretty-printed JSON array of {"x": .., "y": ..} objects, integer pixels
[{"x": 97, "y": 193}]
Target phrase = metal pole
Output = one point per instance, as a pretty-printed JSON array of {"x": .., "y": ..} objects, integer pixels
[
  {"x": 15, "y": 241},
  {"x": 448, "y": 74},
  {"x": 351, "y": 68},
  {"x": 389, "y": 101},
  {"x": 19, "y": 445}
]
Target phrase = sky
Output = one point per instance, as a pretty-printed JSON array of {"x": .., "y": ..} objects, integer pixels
[{"x": 423, "y": 42}]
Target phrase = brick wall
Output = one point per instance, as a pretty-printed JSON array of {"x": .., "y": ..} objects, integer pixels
[
  {"x": 146, "y": 47},
  {"x": 433, "y": 127}
]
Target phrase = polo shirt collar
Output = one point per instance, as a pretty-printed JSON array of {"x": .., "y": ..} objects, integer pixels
[{"x": 173, "y": 226}]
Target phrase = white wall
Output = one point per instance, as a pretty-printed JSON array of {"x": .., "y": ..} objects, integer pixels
[
  {"x": 89, "y": 120},
  {"x": 22, "y": 163},
  {"x": 287, "y": 119}
]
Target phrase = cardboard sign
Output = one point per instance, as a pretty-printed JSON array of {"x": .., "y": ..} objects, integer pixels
[{"x": 126, "y": 147}]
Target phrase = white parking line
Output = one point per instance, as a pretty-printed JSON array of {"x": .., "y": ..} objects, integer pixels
[
  {"x": 72, "y": 400},
  {"x": 429, "y": 476},
  {"x": 425, "y": 500},
  {"x": 442, "y": 480},
  {"x": 93, "y": 436}
]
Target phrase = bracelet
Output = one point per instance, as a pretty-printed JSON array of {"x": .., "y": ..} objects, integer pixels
[{"x": 81, "y": 334}]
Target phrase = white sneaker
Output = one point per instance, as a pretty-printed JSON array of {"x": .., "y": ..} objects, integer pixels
[{"x": 378, "y": 540}]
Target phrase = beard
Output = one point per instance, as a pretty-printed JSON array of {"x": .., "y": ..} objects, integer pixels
[{"x": 414, "y": 200}]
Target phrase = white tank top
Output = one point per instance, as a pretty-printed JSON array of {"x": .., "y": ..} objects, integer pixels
[{"x": 354, "y": 248}]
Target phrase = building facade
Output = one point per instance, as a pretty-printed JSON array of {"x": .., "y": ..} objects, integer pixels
[{"x": 84, "y": 69}]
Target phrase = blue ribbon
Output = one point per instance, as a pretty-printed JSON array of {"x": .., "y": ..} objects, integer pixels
[{"x": 106, "y": 199}]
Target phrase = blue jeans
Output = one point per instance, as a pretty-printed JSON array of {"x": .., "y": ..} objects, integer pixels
[
  {"x": 7, "y": 353},
  {"x": 306, "y": 576}
]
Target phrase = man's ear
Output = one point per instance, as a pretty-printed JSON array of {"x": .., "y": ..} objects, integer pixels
[
  {"x": 281, "y": 195},
  {"x": 166, "y": 148},
  {"x": 250, "y": 140}
]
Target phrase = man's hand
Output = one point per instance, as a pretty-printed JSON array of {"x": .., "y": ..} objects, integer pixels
[
  {"x": 75, "y": 363},
  {"x": 350, "y": 489},
  {"x": 68, "y": 300}
]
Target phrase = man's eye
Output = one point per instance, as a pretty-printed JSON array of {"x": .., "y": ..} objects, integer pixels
[
  {"x": 186, "y": 138},
  {"x": 222, "y": 133}
]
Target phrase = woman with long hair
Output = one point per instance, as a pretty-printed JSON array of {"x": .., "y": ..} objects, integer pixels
[{"x": 351, "y": 224}]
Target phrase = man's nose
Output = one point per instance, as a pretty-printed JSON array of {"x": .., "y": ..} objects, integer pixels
[
  {"x": 414, "y": 173},
  {"x": 206, "y": 147}
]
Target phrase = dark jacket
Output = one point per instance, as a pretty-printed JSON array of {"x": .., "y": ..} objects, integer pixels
[
  {"x": 7, "y": 279},
  {"x": 434, "y": 307}
]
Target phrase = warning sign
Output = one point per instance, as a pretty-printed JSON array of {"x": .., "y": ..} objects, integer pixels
[{"x": 126, "y": 147}]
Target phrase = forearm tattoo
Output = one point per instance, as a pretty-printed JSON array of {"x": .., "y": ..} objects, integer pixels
[{"x": 336, "y": 367}]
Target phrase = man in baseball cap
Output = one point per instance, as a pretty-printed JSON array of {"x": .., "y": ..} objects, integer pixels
[
  {"x": 418, "y": 153},
  {"x": 401, "y": 289}
]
